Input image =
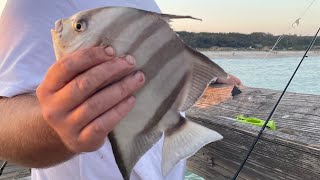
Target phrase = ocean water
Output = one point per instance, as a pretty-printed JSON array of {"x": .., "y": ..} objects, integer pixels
[
  {"x": 192, "y": 176},
  {"x": 273, "y": 74}
]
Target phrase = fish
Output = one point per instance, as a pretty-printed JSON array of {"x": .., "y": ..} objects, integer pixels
[{"x": 176, "y": 77}]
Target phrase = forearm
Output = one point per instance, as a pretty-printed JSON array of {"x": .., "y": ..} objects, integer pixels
[{"x": 25, "y": 138}]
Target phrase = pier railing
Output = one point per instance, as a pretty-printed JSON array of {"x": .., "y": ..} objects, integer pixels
[{"x": 291, "y": 152}]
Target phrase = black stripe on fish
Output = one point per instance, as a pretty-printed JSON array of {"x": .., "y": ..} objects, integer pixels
[
  {"x": 145, "y": 34},
  {"x": 160, "y": 58},
  {"x": 165, "y": 105},
  {"x": 118, "y": 25},
  {"x": 176, "y": 126},
  {"x": 118, "y": 156}
]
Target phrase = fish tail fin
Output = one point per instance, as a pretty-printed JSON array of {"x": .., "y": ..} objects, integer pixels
[{"x": 184, "y": 140}]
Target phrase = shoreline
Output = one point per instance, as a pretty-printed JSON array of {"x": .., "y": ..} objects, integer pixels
[{"x": 242, "y": 54}]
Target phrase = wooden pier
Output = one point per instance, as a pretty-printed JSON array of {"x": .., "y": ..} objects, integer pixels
[
  {"x": 291, "y": 152},
  {"x": 12, "y": 171}
]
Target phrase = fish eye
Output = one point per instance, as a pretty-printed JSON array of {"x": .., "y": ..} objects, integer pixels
[{"x": 80, "y": 26}]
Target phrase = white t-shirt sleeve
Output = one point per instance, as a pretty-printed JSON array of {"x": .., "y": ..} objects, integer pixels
[{"x": 26, "y": 50}]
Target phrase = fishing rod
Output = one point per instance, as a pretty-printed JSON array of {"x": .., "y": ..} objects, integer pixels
[
  {"x": 2, "y": 167},
  {"x": 294, "y": 25},
  {"x": 275, "y": 107}
]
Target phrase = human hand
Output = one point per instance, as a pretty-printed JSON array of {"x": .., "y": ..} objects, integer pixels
[
  {"x": 86, "y": 93},
  {"x": 231, "y": 80}
]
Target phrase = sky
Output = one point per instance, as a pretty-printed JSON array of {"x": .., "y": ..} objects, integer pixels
[
  {"x": 244, "y": 16},
  {"x": 2, "y": 2}
]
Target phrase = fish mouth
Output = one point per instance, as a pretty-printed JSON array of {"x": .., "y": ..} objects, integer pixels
[{"x": 58, "y": 26}]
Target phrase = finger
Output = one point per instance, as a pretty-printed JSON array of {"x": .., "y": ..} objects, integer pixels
[
  {"x": 105, "y": 100},
  {"x": 227, "y": 81},
  {"x": 95, "y": 133},
  {"x": 221, "y": 80},
  {"x": 235, "y": 79},
  {"x": 64, "y": 70},
  {"x": 86, "y": 84}
]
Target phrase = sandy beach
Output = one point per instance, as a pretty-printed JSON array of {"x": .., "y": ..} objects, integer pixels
[{"x": 255, "y": 54}]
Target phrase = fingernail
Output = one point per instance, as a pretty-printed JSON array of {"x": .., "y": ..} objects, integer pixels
[
  {"x": 109, "y": 50},
  {"x": 139, "y": 76},
  {"x": 131, "y": 100},
  {"x": 130, "y": 60}
]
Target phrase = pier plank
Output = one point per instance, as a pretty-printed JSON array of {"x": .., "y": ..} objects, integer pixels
[
  {"x": 290, "y": 152},
  {"x": 12, "y": 171}
]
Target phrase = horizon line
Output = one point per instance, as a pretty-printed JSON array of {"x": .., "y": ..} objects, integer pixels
[{"x": 231, "y": 32}]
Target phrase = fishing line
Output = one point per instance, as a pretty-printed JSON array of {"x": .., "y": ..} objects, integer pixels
[
  {"x": 295, "y": 24},
  {"x": 307, "y": 9},
  {"x": 275, "y": 107},
  {"x": 2, "y": 167}
]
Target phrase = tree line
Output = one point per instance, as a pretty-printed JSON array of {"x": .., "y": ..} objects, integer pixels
[{"x": 256, "y": 40}]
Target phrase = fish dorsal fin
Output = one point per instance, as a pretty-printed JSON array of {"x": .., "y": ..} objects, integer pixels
[
  {"x": 168, "y": 17},
  {"x": 204, "y": 72}
]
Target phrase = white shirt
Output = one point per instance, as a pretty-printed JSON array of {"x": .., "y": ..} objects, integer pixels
[{"x": 26, "y": 53}]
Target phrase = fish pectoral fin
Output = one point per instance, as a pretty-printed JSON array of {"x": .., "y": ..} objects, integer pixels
[
  {"x": 168, "y": 17},
  {"x": 204, "y": 72},
  {"x": 128, "y": 151},
  {"x": 184, "y": 140}
]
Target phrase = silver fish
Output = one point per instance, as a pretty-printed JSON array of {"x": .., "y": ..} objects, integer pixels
[{"x": 176, "y": 76}]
